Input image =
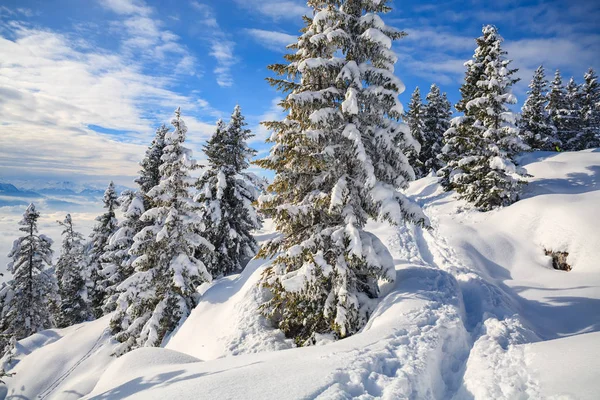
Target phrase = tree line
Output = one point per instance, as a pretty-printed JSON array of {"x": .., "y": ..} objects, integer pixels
[{"x": 176, "y": 232}]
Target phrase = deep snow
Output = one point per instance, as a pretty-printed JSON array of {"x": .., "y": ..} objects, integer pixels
[{"x": 476, "y": 312}]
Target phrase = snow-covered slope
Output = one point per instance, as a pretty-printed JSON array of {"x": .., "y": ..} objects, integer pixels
[
  {"x": 477, "y": 312},
  {"x": 61, "y": 363}
]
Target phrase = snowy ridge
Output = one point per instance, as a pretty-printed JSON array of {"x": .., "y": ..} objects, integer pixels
[{"x": 477, "y": 312}]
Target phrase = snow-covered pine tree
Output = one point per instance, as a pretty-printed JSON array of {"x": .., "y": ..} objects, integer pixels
[
  {"x": 107, "y": 224},
  {"x": 589, "y": 111},
  {"x": 70, "y": 274},
  {"x": 558, "y": 110},
  {"x": 436, "y": 121},
  {"x": 26, "y": 297},
  {"x": 414, "y": 119},
  {"x": 117, "y": 260},
  {"x": 160, "y": 294},
  {"x": 337, "y": 162},
  {"x": 573, "y": 122},
  {"x": 481, "y": 145},
  {"x": 150, "y": 174},
  {"x": 536, "y": 127},
  {"x": 225, "y": 195}
]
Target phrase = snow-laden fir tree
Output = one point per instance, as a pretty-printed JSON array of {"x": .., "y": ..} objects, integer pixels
[
  {"x": 536, "y": 127},
  {"x": 414, "y": 119},
  {"x": 225, "y": 195},
  {"x": 558, "y": 110},
  {"x": 436, "y": 121},
  {"x": 337, "y": 162},
  {"x": 150, "y": 174},
  {"x": 589, "y": 111},
  {"x": 106, "y": 225},
  {"x": 573, "y": 123},
  {"x": 117, "y": 260},
  {"x": 70, "y": 275},
  {"x": 481, "y": 145},
  {"x": 26, "y": 297},
  {"x": 161, "y": 292}
]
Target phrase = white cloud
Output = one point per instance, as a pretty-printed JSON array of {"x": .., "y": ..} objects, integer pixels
[
  {"x": 272, "y": 40},
  {"x": 143, "y": 34},
  {"x": 52, "y": 91},
  {"x": 222, "y": 49},
  {"x": 127, "y": 7},
  {"x": 436, "y": 38},
  {"x": 275, "y": 9}
]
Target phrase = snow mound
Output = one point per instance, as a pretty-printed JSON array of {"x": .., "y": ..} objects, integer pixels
[
  {"x": 61, "y": 363},
  {"x": 227, "y": 321},
  {"x": 414, "y": 346}
]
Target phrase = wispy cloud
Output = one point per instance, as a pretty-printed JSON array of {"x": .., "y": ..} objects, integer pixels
[
  {"x": 272, "y": 40},
  {"x": 143, "y": 35},
  {"x": 222, "y": 49},
  {"x": 53, "y": 92},
  {"x": 275, "y": 9}
]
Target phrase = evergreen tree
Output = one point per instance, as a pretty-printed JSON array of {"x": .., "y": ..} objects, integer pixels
[
  {"x": 414, "y": 118},
  {"x": 161, "y": 292},
  {"x": 590, "y": 110},
  {"x": 107, "y": 224},
  {"x": 70, "y": 271},
  {"x": 150, "y": 173},
  {"x": 226, "y": 194},
  {"x": 573, "y": 123},
  {"x": 481, "y": 145},
  {"x": 26, "y": 297},
  {"x": 337, "y": 162},
  {"x": 436, "y": 121},
  {"x": 558, "y": 110},
  {"x": 117, "y": 262},
  {"x": 537, "y": 130}
]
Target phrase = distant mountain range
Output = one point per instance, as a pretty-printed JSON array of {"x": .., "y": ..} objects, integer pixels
[
  {"x": 53, "y": 194},
  {"x": 64, "y": 187}
]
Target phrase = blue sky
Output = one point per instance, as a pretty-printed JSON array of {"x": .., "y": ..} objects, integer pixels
[{"x": 83, "y": 84}]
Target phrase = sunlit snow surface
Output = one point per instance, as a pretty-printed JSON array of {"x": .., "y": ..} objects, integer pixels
[{"x": 476, "y": 312}]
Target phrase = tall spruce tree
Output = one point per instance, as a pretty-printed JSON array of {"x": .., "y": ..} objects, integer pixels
[
  {"x": 225, "y": 195},
  {"x": 26, "y": 297},
  {"x": 150, "y": 173},
  {"x": 117, "y": 261},
  {"x": 161, "y": 292},
  {"x": 106, "y": 225},
  {"x": 70, "y": 274},
  {"x": 573, "y": 122},
  {"x": 558, "y": 110},
  {"x": 481, "y": 145},
  {"x": 436, "y": 121},
  {"x": 536, "y": 127},
  {"x": 590, "y": 110},
  {"x": 337, "y": 162},
  {"x": 414, "y": 119}
]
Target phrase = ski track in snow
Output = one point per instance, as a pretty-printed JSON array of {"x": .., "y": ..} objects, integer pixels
[{"x": 54, "y": 385}]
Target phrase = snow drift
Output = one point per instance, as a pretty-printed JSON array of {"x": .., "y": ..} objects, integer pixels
[{"x": 477, "y": 311}]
